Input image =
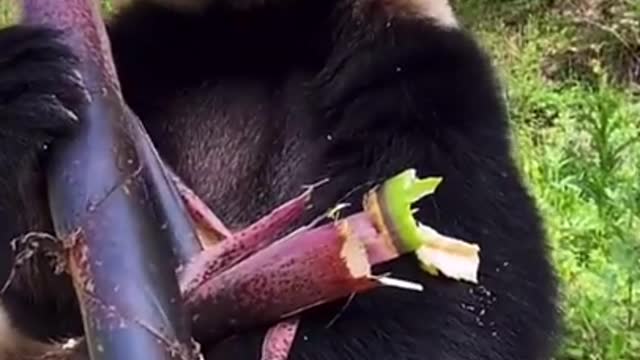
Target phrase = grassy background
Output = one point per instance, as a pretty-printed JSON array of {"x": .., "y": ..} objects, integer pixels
[{"x": 572, "y": 70}]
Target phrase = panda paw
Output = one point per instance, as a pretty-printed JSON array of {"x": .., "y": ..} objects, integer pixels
[{"x": 40, "y": 87}]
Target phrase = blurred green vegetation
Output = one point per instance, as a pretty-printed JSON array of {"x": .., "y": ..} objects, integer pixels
[{"x": 572, "y": 72}]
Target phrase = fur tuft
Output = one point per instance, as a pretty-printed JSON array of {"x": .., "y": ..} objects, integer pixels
[
  {"x": 437, "y": 11},
  {"x": 15, "y": 346},
  {"x": 12, "y": 343}
]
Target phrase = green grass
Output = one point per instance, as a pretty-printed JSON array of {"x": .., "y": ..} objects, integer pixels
[
  {"x": 577, "y": 144},
  {"x": 6, "y": 12},
  {"x": 576, "y": 140}
]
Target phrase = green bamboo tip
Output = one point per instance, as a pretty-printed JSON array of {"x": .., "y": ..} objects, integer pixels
[{"x": 397, "y": 196}]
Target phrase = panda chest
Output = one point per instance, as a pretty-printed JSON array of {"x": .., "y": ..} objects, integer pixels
[{"x": 230, "y": 147}]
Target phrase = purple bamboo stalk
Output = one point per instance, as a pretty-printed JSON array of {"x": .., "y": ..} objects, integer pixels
[{"x": 115, "y": 207}]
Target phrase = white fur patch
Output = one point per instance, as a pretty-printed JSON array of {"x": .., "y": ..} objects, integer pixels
[
  {"x": 439, "y": 11},
  {"x": 14, "y": 345},
  {"x": 7, "y": 335}
]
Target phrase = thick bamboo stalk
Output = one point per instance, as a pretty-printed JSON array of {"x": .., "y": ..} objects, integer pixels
[{"x": 113, "y": 204}]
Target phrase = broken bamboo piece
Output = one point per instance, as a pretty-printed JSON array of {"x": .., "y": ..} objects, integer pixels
[{"x": 317, "y": 265}]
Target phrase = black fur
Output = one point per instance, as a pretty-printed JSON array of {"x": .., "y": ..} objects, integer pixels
[
  {"x": 39, "y": 89},
  {"x": 248, "y": 106}
]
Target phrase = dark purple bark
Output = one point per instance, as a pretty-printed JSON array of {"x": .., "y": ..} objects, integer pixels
[{"x": 115, "y": 207}]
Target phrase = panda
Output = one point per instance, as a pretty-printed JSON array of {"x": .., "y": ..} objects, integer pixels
[{"x": 248, "y": 101}]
